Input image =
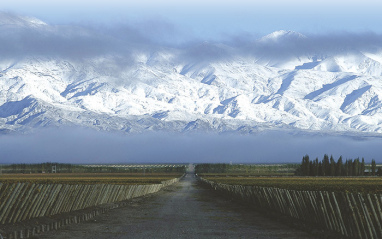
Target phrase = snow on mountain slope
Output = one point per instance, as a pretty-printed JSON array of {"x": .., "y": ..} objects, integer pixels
[
  {"x": 282, "y": 35},
  {"x": 237, "y": 93},
  {"x": 276, "y": 50},
  {"x": 182, "y": 90},
  {"x": 359, "y": 62},
  {"x": 19, "y": 21}
]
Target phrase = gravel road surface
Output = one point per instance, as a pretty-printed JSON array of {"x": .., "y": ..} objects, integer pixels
[{"x": 184, "y": 210}]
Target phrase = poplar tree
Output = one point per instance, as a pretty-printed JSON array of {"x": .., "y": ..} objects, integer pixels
[
  {"x": 321, "y": 169},
  {"x": 332, "y": 166},
  {"x": 355, "y": 167},
  {"x": 316, "y": 172},
  {"x": 326, "y": 165},
  {"x": 311, "y": 168},
  {"x": 349, "y": 167},
  {"x": 373, "y": 167},
  {"x": 305, "y": 165},
  {"x": 339, "y": 167},
  {"x": 362, "y": 168}
]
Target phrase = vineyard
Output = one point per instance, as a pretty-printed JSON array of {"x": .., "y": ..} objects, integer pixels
[
  {"x": 89, "y": 178},
  {"x": 28, "y": 196},
  {"x": 332, "y": 184},
  {"x": 350, "y": 207}
]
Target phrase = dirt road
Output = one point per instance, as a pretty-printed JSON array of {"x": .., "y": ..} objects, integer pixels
[{"x": 185, "y": 210}]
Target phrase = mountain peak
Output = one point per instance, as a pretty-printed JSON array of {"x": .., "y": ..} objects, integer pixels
[
  {"x": 282, "y": 35},
  {"x": 16, "y": 20}
]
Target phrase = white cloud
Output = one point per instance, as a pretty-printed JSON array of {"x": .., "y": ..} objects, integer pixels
[{"x": 88, "y": 40}]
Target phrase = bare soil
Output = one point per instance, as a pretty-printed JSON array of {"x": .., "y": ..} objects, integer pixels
[{"x": 184, "y": 210}]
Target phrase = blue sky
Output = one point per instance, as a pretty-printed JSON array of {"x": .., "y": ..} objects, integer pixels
[{"x": 212, "y": 19}]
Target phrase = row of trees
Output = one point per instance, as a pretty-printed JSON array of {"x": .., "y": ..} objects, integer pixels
[{"x": 329, "y": 167}]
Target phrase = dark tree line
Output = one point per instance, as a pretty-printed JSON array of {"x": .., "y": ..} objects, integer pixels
[{"x": 329, "y": 167}]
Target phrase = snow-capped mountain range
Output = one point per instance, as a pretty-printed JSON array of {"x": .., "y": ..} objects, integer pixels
[{"x": 204, "y": 87}]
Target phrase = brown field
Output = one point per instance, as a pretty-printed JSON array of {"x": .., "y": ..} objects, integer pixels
[
  {"x": 331, "y": 184},
  {"x": 89, "y": 178}
]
